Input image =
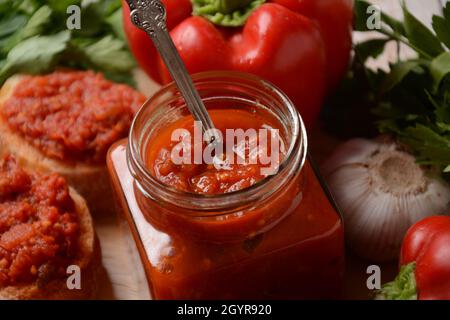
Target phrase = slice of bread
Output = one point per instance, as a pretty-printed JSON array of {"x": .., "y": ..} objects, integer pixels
[
  {"x": 88, "y": 260},
  {"x": 91, "y": 181}
]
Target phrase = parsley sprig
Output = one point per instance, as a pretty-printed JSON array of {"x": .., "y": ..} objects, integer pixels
[
  {"x": 412, "y": 100},
  {"x": 34, "y": 38}
]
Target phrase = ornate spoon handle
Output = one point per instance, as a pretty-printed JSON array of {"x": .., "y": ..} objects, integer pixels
[{"x": 150, "y": 16}]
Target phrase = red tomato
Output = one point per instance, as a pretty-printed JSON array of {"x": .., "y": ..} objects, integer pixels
[{"x": 427, "y": 244}]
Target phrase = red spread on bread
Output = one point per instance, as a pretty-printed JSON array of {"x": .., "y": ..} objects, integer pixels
[
  {"x": 71, "y": 115},
  {"x": 38, "y": 225}
]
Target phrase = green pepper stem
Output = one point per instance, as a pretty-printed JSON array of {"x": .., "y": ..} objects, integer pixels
[
  {"x": 229, "y": 6},
  {"x": 226, "y": 13},
  {"x": 403, "y": 287}
]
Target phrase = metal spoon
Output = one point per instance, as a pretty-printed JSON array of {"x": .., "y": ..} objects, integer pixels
[{"x": 150, "y": 16}]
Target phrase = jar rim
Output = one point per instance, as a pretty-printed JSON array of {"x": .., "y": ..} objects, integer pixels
[{"x": 207, "y": 202}]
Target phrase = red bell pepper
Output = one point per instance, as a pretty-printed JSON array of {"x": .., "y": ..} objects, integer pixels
[
  {"x": 425, "y": 261},
  {"x": 302, "y": 46}
]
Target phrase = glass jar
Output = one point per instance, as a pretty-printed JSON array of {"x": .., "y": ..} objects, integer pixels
[{"x": 281, "y": 238}]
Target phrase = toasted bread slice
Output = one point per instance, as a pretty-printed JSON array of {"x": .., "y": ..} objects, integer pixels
[
  {"x": 88, "y": 260},
  {"x": 91, "y": 181}
]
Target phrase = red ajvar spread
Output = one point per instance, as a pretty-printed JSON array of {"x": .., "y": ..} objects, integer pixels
[
  {"x": 72, "y": 115},
  {"x": 206, "y": 178},
  {"x": 38, "y": 225},
  {"x": 288, "y": 245}
]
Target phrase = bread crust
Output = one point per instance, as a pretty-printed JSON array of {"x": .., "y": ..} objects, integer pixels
[
  {"x": 91, "y": 181},
  {"x": 88, "y": 259}
]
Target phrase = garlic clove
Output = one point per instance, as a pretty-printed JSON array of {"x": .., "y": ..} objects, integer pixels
[
  {"x": 381, "y": 191},
  {"x": 350, "y": 152}
]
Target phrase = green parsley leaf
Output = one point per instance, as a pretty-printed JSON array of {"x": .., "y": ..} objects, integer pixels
[
  {"x": 37, "y": 23},
  {"x": 28, "y": 6},
  {"x": 440, "y": 68},
  {"x": 34, "y": 26},
  {"x": 398, "y": 72},
  {"x": 370, "y": 49},
  {"x": 100, "y": 44},
  {"x": 35, "y": 55},
  {"x": 396, "y": 25},
  {"x": 420, "y": 36},
  {"x": 116, "y": 24},
  {"x": 428, "y": 143},
  {"x": 441, "y": 27},
  {"x": 109, "y": 54},
  {"x": 11, "y": 24},
  {"x": 61, "y": 6}
]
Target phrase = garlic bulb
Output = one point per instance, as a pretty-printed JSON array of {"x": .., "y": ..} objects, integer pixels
[{"x": 381, "y": 191}]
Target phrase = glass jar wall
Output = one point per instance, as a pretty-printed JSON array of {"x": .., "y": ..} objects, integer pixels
[{"x": 281, "y": 238}]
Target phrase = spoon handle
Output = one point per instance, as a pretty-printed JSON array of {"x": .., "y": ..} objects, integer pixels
[{"x": 150, "y": 16}]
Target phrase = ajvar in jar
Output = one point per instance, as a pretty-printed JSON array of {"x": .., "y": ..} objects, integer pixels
[{"x": 208, "y": 233}]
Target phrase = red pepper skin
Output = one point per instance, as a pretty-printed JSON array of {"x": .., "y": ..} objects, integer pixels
[
  {"x": 427, "y": 244},
  {"x": 139, "y": 42},
  {"x": 335, "y": 20},
  {"x": 278, "y": 43}
]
